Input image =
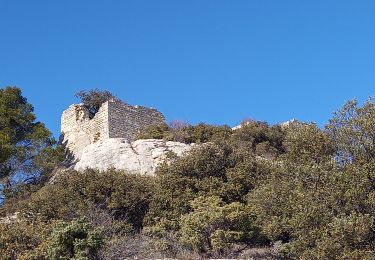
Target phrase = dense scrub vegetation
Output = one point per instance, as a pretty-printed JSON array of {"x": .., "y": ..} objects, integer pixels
[{"x": 307, "y": 193}]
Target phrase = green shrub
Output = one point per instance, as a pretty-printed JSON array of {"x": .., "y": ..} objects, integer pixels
[
  {"x": 258, "y": 137},
  {"x": 93, "y": 99},
  {"x": 24, "y": 240},
  {"x": 209, "y": 170},
  {"x": 306, "y": 143},
  {"x": 76, "y": 239},
  {"x": 214, "y": 226},
  {"x": 318, "y": 210},
  {"x": 352, "y": 130},
  {"x": 73, "y": 194},
  {"x": 182, "y": 132},
  {"x": 156, "y": 131}
]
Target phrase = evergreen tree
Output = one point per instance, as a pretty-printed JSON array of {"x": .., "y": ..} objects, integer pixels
[{"x": 22, "y": 138}]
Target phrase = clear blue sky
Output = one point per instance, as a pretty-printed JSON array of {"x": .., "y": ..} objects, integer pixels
[{"x": 195, "y": 60}]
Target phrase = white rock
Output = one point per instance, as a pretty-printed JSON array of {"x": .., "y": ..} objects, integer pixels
[
  {"x": 141, "y": 156},
  {"x": 241, "y": 125},
  {"x": 288, "y": 123}
]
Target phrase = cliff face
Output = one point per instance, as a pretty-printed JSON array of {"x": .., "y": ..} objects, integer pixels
[{"x": 141, "y": 156}]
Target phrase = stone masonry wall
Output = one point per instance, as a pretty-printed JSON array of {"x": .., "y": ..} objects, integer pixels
[
  {"x": 78, "y": 130},
  {"x": 114, "y": 119},
  {"x": 126, "y": 121}
]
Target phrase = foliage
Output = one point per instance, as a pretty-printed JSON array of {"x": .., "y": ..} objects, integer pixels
[
  {"x": 93, "y": 99},
  {"x": 202, "y": 133},
  {"x": 210, "y": 170},
  {"x": 352, "y": 131},
  {"x": 320, "y": 209},
  {"x": 182, "y": 132},
  {"x": 142, "y": 246},
  {"x": 307, "y": 144},
  {"x": 113, "y": 201},
  {"x": 22, "y": 139},
  {"x": 215, "y": 226},
  {"x": 24, "y": 240},
  {"x": 76, "y": 239},
  {"x": 302, "y": 206},
  {"x": 227, "y": 168},
  {"x": 73, "y": 194},
  {"x": 259, "y": 138},
  {"x": 155, "y": 131}
]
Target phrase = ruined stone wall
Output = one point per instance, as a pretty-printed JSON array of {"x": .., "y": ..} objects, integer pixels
[
  {"x": 114, "y": 119},
  {"x": 78, "y": 130},
  {"x": 126, "y": 121}
]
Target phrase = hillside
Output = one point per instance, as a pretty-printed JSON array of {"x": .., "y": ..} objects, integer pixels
[{"x": 158, "y": 190}]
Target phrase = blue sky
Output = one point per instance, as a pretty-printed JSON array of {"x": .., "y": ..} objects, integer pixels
[{"x": 197, "y": 60}]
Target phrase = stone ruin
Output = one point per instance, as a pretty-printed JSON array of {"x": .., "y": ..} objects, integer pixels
[
  {"x": 108, "y": 139},
  {"x": 115, "y": 119}
]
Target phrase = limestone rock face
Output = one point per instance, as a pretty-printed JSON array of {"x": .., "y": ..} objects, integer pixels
[{"x": 141, "y": 156}]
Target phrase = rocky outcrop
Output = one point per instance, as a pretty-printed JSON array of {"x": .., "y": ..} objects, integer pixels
[
  {"x": 106, "y": 140},
  {"x": 141, "y": 156},
  {"x": 114, "y": 119}
]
